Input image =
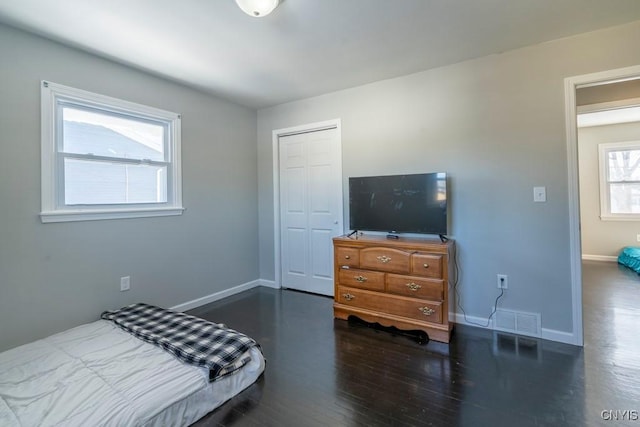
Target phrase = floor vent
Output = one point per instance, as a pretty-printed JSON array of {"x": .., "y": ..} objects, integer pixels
[{"x": 518, "y": 322}]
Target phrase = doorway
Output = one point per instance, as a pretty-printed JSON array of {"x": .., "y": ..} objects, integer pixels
[
  {"x": 572, "y": 85},
  {"x": 308, "y": 205}
]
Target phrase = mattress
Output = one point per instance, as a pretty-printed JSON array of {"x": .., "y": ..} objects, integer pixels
[{"x": 98, "y": 375}]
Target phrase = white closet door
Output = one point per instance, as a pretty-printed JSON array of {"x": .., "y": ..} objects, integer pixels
[{"x": 310, "y": 209}]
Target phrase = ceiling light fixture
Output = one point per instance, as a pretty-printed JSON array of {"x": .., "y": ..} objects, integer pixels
[{"x": 257, "y": 8}]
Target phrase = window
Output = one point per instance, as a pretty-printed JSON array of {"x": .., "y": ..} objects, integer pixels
[
  {"x": 620, "y": 180},
  {"x": 104, "y": 158}
]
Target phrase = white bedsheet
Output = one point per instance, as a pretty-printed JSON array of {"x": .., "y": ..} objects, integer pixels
[{"x": 98, "y": 375}]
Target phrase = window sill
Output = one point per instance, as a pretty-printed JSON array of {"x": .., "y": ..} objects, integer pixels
[
  {"x": 630, "y": 217},
  {"x": 93, "y": 215}
]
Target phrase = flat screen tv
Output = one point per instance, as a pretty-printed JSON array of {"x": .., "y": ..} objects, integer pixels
[{"x": 414, "y": 203}]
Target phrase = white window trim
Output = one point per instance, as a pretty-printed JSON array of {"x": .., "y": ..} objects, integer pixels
[
  {"x": 605, "y": 208},
  {"x": 51, "y": 185}
]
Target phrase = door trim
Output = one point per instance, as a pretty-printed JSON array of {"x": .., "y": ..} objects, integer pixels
[
  {"x": 276, "y": 134},
  {"x": 575, "y": 256}
]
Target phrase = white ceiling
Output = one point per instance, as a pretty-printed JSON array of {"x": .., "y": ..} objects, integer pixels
[{"x": 305, "y": 47}]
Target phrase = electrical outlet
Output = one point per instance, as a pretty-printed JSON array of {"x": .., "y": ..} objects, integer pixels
[
  {"x": 503, "y": 282},
  {"x": 638, "y": 237},
  {"x": 125, "y": 283}
]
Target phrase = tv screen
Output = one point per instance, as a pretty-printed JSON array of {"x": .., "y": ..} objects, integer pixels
[{"x": 414, "y": 203}]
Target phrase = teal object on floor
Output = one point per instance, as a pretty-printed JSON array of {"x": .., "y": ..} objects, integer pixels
[{"x": 630, "y": 257}]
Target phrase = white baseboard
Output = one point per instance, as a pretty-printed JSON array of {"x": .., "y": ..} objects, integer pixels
[
  {"x": 605, "y": 258},
  {"x": 558, "y": 336},
  {"x": 478, "y": 322},
  {"x": 269, "y": 284},
  {"x": 547, "y": 334},
  {"x": 189, "y": 305}
]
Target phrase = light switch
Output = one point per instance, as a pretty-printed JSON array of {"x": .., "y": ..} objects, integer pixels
[{"x": 539, "y": 194}]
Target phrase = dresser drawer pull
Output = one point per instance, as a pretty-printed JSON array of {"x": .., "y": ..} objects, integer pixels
[
  {"x": 384, "y": 259},
  {"x": 413, "y": 286},
  {"x": 348, "y": 297},
  {"x": 360, "y": 279},
  {"x": 347, "y": 257},
  {"x": 425, "y": 265},
  {"x": 427, "y": 311}
]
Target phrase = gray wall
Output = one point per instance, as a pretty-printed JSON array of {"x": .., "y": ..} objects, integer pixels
[
  {"x": 602, "y": 238},
  {"x": 54, "y": 276},
  {"x": 497, "y": 126}
]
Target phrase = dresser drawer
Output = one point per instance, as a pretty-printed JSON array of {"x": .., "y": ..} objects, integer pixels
[
  {"x": 348, "y": 256},
  {"x": 415, "y": 287},
  {"x": 385, "y": 259},
  {"x": 364, "y": 279},
  {"x": 426, "y": 265},
  {"x": 428, "y": 311}
]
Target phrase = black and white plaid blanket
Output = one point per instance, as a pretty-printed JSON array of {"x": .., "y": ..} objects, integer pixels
[{"x": 193, "y": 340}]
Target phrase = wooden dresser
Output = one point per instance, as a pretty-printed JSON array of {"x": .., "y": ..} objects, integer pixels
[{"x": 402, "y": 283}]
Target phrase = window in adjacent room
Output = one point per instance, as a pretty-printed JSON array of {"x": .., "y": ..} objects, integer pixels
[
  {"x": 105, "y": 158},
  {"x": 620, "y": 180}
]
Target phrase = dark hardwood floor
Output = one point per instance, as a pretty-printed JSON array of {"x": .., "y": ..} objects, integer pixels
[
  {"x": 326, "y": 372},
  {"x": 611, "y": 311}
]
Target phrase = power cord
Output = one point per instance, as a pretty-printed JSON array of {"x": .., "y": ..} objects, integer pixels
[{"x": 457, "y": 293}]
